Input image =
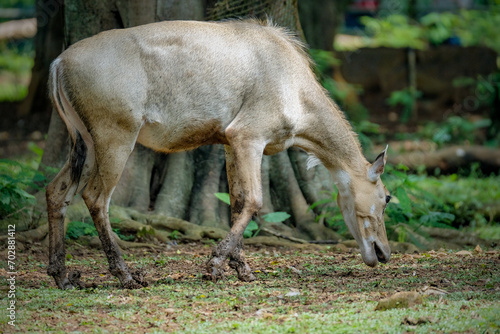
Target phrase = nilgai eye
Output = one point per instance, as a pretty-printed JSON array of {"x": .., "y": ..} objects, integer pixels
[{"x": 387, "y": 199}]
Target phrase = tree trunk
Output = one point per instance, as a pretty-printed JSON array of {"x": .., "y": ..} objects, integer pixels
[
  {"x": 183, "y": 185},
  {"x": 321, "y": 19},
  {"x": 48, "y": 45}
]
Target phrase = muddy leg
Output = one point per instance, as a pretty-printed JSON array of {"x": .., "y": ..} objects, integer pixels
[
  {"x": 59, "y": 194},
  {"x": 243, "y": 162},
  {"x": 238, "y": 262},
  {"x": 97, "y": 196}
]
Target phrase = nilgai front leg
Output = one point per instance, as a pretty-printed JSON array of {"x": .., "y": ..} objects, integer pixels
[{"x": 243, "y": 164}]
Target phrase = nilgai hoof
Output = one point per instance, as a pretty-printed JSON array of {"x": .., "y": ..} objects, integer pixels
[
  {"x": 214, "y": 270},
  {"x": 244, "y": 271}
]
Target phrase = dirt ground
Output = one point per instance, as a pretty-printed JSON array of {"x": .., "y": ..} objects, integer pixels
[
  {"x": 187, "y": 261},
  {"x": 179, "y": 298}
]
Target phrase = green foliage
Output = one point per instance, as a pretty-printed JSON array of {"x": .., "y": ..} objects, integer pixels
[
  {"x": 12, "y": 62},
  {"x": 440, "y": 26},
  {"x": 17, "y": 3},
  {"x": 411, "y": 204},
  {"x": 276, "y": 217},
  {"x": 367, "y": 131},
  {"x": 77, "y": 229},
  {"x": 471, "y": 199},
  {"x": 343, "y": 93},
  {"x": 486, "y": 93},
  {"x": 15, "y": 179},
  {"x": 15, "y": 70},
  {"x": 145, "y": 233},
  {"x": 394, "y": 31},
  {"x": 330, "y": 212},
  {"x": 455, "y": 129},
  {"x": 253, "y": 228},
  {"x": 324, "y": 60},
  {"x": 224, "y": 197},
  {"x": 174, "y": 234},
  {"x": 125, "y": 237},
  {"x": 475, "y": 27},
  {"x": 471, "y": 27},
  {"x": 406, "y": 98},
  {"x": 10, "y": 92}
]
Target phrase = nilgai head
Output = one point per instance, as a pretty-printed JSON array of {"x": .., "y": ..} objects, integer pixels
[{"x": 362, "y": 201}]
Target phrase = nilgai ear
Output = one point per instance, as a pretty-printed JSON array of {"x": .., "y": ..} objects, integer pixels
[{"x": 377, "y": 168}]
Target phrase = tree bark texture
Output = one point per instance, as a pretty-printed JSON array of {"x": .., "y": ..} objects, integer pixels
[
  {"x": 48, "y": 44},
  {"x": 182, "y": 185},
  {"x": 321, "y": 19}
]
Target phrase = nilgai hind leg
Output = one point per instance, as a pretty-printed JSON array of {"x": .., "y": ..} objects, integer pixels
[{"x": 59, "y": 194}]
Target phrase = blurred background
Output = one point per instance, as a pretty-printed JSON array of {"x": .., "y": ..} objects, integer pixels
[{"x": 420, "y": 75}]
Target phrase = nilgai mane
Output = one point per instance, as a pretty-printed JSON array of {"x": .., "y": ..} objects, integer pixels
[{"x": 174, "y": 86}]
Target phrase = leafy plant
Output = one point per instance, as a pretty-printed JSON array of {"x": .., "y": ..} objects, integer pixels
[
  {"x": 454, "y": 129},
  {"x": 15, "y": 68},
  {"x": 406, "y": 98},
  {"x": 224, "y": 197},
  {"x": 342, "y": 92},
  {"x": 471, "y": 199},
  {"x": 324, "y": 60},
  {"x": 394, "y": 31},
  {"x": 174, "y": 234},
  {"x": 412, "y": 204},
  {"x": 468, "y": 27},
  {"x": 486, "y": 90},
  {"x": 125, "y": 237},
  {"x": 77, "y": 229},
  {"x": 330, "y": 212},
  {"x": 367, "y": 131},
  {"x": 15, "y": 179},
  {"x": 276, "y": 217},
  {"x": 253, "y": 228},
  {"x": 145, "y": 233}
]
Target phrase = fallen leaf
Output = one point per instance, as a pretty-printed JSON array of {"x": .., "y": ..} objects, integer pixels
[
  {"x": 426, "y": 290},
  {"x": 267, "y": 315},
  {"x": 263, "y": 313},
  {"x": 293, "y": 294},
  {"x": 463, "y": 253},
  {"x": 399, "y": 300},
  {"x": 175, "y": 276}
]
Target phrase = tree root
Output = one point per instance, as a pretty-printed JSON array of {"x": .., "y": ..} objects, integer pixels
[
  {"x": 159, "y": 229},
  {"x": 277, "y": 242},
  {"x": 428, "y": 238},
  {"x": 450, "y": 159},
  {"x": 96, "y": 243},
  {"x": 279, "y": 235}
]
